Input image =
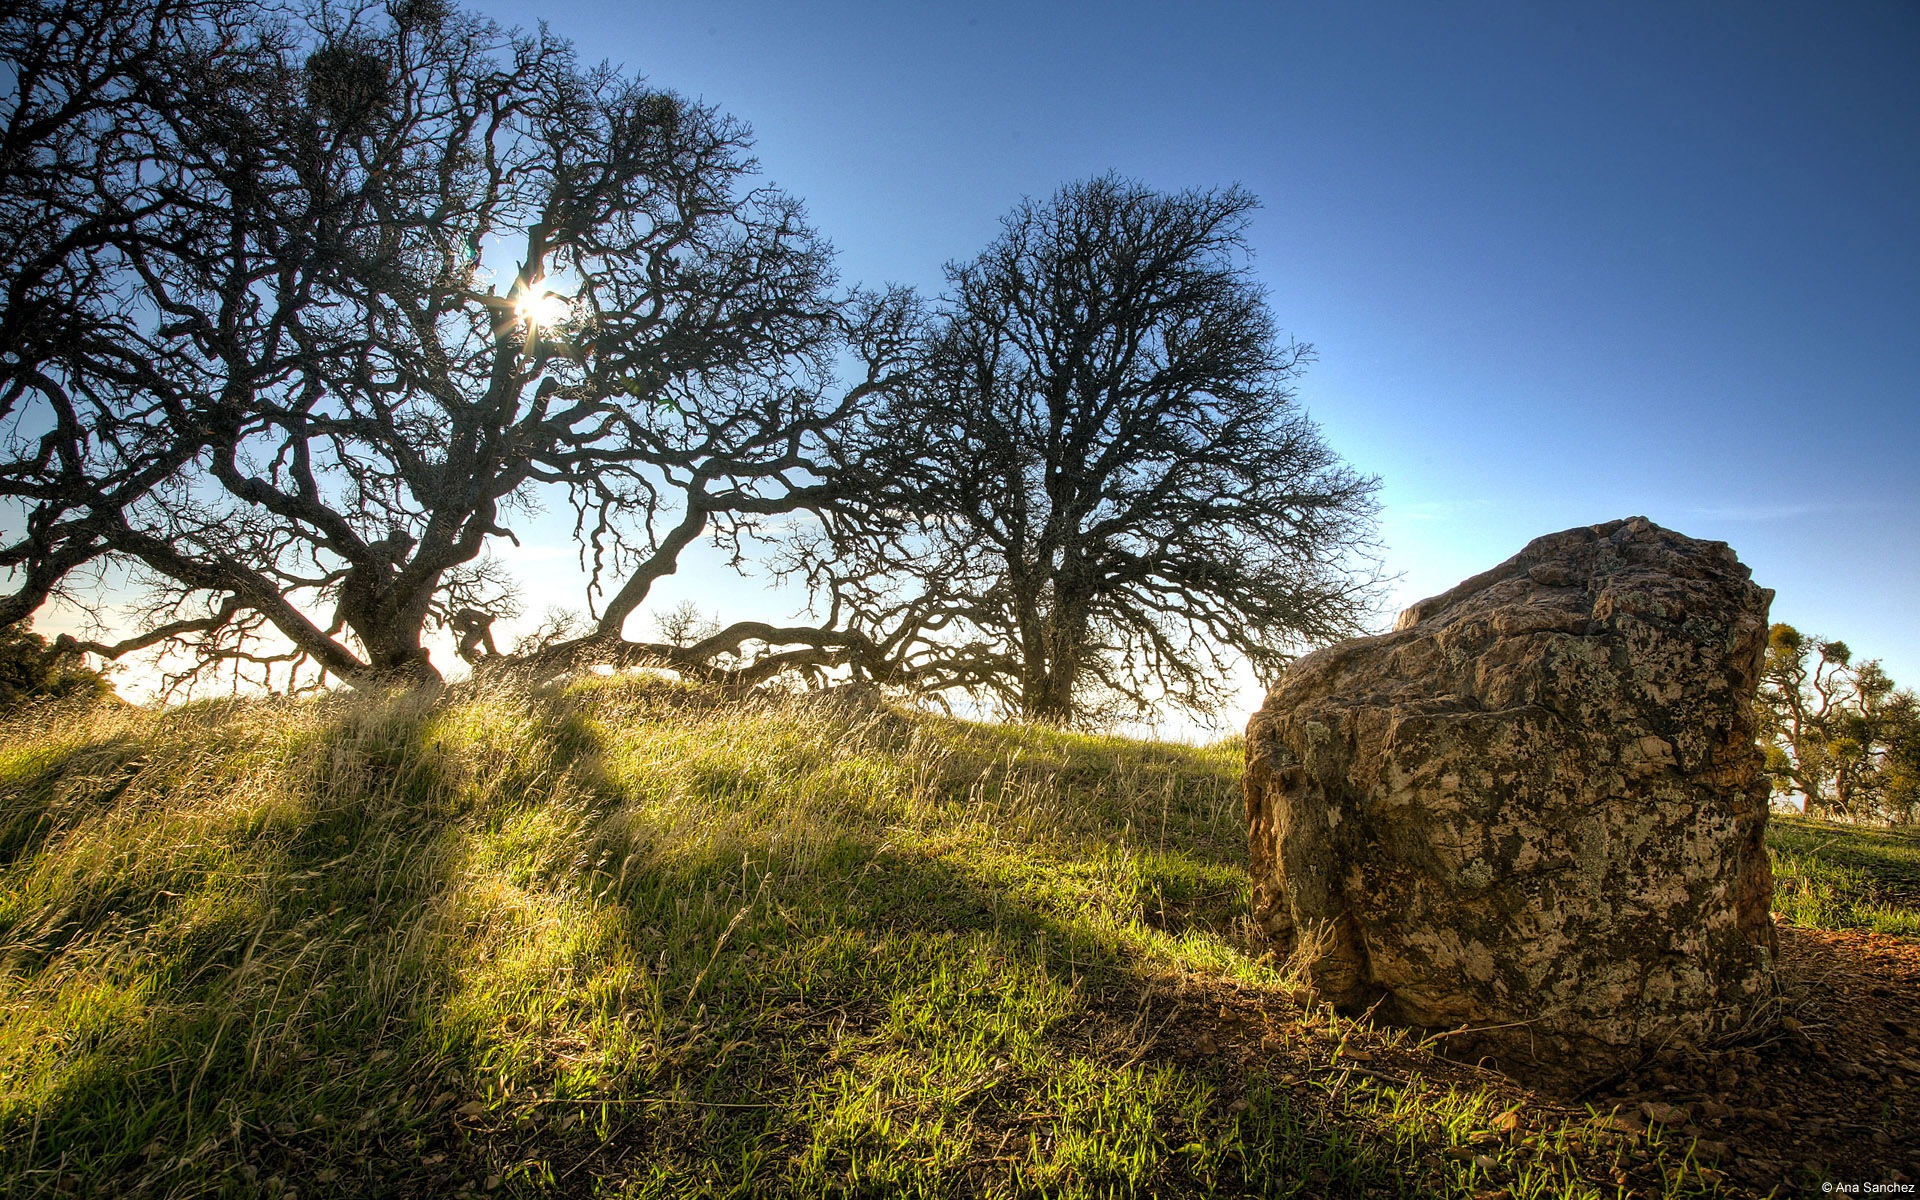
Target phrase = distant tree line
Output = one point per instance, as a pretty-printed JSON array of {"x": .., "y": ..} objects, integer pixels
[
  {"x": 1836, "y": 732},
  {"x": 304, "y": 308},
  {"x": 33, "y": 669}
]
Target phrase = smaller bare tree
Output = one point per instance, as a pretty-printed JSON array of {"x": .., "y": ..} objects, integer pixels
[
  {"x": 685, "y": 625},
  {"x": 1098, "y": 479},
  {"x": 1838, "y": 733}
]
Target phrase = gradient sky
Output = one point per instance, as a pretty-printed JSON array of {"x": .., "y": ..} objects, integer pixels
[{"x": 1561, "y": 263}]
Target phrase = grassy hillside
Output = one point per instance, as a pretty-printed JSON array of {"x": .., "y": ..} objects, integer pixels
[
  {"x": 628, "y": 940},
  {"x": 1833, "y": 876}
]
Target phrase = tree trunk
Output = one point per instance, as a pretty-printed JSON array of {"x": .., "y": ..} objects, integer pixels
[
  {"x": 1047, "y": 694},
  {"x": 388, "y": 626},
  {"x": 1821, "y": 805},
  {"x": 394, "y": 653},
  {"x": 1048, "y": 700}
]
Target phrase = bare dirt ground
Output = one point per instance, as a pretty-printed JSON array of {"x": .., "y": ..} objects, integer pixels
[
  {"x": 1826, "y": 1091},
  {"x": 1830, "y": 1093}
]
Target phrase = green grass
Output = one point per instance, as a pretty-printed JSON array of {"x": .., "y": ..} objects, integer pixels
[
  {"x": 1830, "y": 875},
  {"x": 626, "y": 940}
]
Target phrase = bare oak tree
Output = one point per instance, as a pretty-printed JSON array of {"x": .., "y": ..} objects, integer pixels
[
  {"x": 1098, "y": 484},
  {"x": 307, "y": 307}
]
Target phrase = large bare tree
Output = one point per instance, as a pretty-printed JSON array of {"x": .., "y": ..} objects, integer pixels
[
  {"x": 1099, "y": 485},
  {"x": 307, "y": 307}
]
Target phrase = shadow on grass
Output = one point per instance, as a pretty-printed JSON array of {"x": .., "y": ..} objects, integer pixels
[
  {"x": 445, "y": 950},
  {"x": 1831, "y": 875},
  {"x": 1891, "y": 856},
  {"x": 46, "y": 787}
]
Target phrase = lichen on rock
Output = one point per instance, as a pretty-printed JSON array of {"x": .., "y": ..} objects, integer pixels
[{"x": 1535, "y": 809}]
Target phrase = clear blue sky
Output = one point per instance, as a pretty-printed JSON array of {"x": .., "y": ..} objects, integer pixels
[{"x": 1562, "y": 263}]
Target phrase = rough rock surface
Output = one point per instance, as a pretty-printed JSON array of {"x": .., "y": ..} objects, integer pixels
[{"x": 1535, "y": 808}]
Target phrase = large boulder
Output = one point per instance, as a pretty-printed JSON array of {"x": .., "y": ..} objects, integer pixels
[{"x": 1535, "y": 809}]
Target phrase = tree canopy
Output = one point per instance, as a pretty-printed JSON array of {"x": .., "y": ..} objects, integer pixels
[
  {"x": 305, "y": 308},
  {"x": 1098, "y": 484}
]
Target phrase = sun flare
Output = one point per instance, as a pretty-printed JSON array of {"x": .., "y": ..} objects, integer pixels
[{"x": 542, "y": 308}]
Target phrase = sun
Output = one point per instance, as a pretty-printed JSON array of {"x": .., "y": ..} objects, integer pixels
[{"x": 542, "y": 308}]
